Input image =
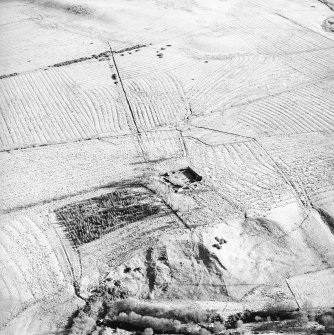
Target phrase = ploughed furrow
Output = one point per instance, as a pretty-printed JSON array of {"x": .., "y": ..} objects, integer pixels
[
  {"x": 53, "y": 106},
  {"x": 47, "y": 113},
  {"x": 285, "y": 146},
  {"x": 281, "y": 42},
  {"x": 315, "y": 286},
  {"x": 43, "y": 318},
  {"x": 244, "y": 173},
  {"x": 33, "y": 267},
  {"x": 308, "y": 157},
  {"x": 316, "y": 64},
  {"x": 295, "y": 182},
  {"x": 309, "y": 109},
  {"x": 323, "y": 195},
  {"x": 327, "y": 85},
  {"x": 156, "y": 100},
  {"x": 110, "y": 228},
  {"x": 162, "y": 144},
  {"x": 119, "y": 246},
  {"x": 292, "y": 42},
  {"x": 317, "y": 175},
  {"x": 29, "y": 322},
  {"x": 145, "y": 62},
  {"x": 315, "y": 171},
  {"x": 109, "y": 117},
  {"x": 49, "y": 45},
  {"x": 274, "y": 34},
  {"x": 269, "y": 22},
  {"x": 92, "y": 165},
  {"x": 238, "y": 80}
]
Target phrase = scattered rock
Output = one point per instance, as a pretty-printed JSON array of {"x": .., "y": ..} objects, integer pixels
[
  {"x": 148, "y": 331},
  {"x": 220, "y": 240},
  {"x": 239, "y": 324}
]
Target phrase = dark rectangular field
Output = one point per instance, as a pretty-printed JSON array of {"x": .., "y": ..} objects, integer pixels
[{"x": 89, "y": 219}]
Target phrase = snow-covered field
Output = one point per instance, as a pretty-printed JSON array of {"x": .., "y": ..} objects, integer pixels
[{"x": 98, "y": 96}]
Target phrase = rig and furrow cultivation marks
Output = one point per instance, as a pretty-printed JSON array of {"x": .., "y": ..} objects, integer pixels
[
  {"x": 316, "y": 175},
  {"x": 315, "y": 64},
  {"x": 323, "y": 194},
  {"x": 32, "y": 262},
  {"x": 124, "y": 242},
  {"x": 156, "y": 100},
  {"x": 106, "y": 112},
  {"x": 47, "y": 107},
  {"x": 40, "y": 318},
  {"x": 274, "y": 34},
  {"x": 125, "y": 220},
  {"x": 18, "y": 291},
  {"x": 242, "y": 173},
  {"x": 238, "y": 80},
  {"x": 144, "y": 63},
  {"x": 293, "y": 42},
  {"x": 269, "y": 22},
  {"x": 308, "y": 109},
  {"x": 162, "y": 144},
  {"x": 49, "y": 45},
  {"x": 289, "y": 149},
  {"x": 14, "y": 253}
]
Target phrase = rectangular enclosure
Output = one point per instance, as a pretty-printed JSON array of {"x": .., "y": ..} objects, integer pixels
[{"x": 181, "y": 179}]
